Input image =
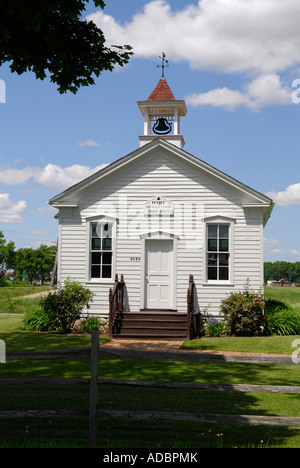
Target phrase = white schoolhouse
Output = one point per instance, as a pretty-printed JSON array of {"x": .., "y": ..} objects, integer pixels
[{"x": 180, "y": 232}]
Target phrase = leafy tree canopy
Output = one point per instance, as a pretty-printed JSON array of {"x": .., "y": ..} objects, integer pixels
[
  {"x": 50, "y": 36},
  {"x": 7, "y": 253},
  {"x": 280, "y": 269}
]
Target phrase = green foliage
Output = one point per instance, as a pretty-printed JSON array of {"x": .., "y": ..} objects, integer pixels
[
  {"x": 214, "y": 327},
  {"x": 51, "y": 38},
  {"x": 244, "y": 312},
  {"x": 37, "y": 319},
  {"x": 3, "y": 280},
  {"x": 92, "y": 323},
  {"x": 248, "y": 314},
  {"x": 65, "y": 306},
  {"x": 7, "y": 257},
  {"x": 274, "y": 305},
  {"x": 35, "y": 263},
  {"x": 280, "y": 319},
  {"x": 283, "y": 322},
  {"x": 288, "y": 295},
  {"x": 278, "y": 270}
]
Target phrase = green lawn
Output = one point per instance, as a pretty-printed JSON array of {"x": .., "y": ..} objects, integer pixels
[
  {"x": 263, "y": 345},
  {"x": 11, "y": 298},
  {"x": 252, "y": 344},
  {"x": 288, "y": 295},
  {"x": 124, "y": 433},
  {"x": 20, "y": 290}
]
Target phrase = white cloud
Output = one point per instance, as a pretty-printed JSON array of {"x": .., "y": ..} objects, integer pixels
[
  {"x": 270, "y": 242},
  {"x": 289, "y": 196},
  {"x": 266, "y": 90},
  {"x": 278, "y": 251},
  {"x": 12, "y": 176},
  {"x": 52, "y": 175},
  {"x": 40, "y": 232},
  {"x": 10, "y": 212},
  {"x": 88, "y": 142},
  {"x": 231, "y": 36},
  {"x": 47, "y": 210},
  {"x": 295, "y": 253}
]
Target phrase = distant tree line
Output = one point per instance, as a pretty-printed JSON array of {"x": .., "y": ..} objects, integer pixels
[
  {"x": 26, "y": 263},
  {"x": 278, "y": 270}
]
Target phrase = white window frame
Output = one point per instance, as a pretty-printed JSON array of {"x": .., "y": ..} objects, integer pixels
[
  {"x": 100, "y": 220},
  {"x": 219, "y": 220}
]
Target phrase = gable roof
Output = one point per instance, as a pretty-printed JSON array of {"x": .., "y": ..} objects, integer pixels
[{"x": 259, "y": 200}]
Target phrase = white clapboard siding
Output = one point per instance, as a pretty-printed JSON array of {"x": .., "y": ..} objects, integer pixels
[{"x": 194, "y": 193}]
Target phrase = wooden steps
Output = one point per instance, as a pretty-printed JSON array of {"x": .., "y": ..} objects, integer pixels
[{"x": 152, "y": 324}]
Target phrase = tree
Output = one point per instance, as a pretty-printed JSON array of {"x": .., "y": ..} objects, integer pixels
[
  {"x": 50, "y": 36},
  {"x": 26, "y": 263},
  {"x": 45, "y": 257},
  {"x": 278, "y": 270},
  {"x": 35, "y": 263},
  {"x": 7, "y": 253}
]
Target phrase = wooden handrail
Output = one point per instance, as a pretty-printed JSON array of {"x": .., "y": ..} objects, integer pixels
[
  {"x": 190, "y": 305},
  {"x": 116, "y": 305},
  {"x": 193, "y": 317}
]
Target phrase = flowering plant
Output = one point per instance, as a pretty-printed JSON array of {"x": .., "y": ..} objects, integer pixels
[
  {"x": 244, "y": 312},
  {"x": 213, "y": 326},
  {"x": 65, "y": 306}
]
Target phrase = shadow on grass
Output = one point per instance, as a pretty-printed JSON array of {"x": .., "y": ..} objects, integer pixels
[{"x": 19, "y": 341}]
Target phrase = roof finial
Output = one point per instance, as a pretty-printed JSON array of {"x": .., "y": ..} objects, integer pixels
[{"x": 162, "y": 66}]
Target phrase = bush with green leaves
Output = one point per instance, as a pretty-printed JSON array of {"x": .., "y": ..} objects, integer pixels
[
  {"x": 214, "y": 327},
  {"x": 274, "y": 305},
  {"x": 243, "y": 313},
  {"x": 66, "y": 305},
  {"x": 37, "y": 319},
  {"x": 285, "y": 322},
  {"x": 281, "y": 319},
  {"x": 92, "y": 323}
]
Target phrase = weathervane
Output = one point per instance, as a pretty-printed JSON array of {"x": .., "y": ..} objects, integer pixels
[{"x": 162, "y": 66}]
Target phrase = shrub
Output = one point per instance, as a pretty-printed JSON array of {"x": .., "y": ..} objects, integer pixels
[
  {"x": 283, "y": 322},
  {"x": 244, "y": 312},
  {"x": 93, "y": 323},
  {"x": 90, "y": 323},
  {"x": 280, "y": 319},
  {"x": 65, "y": 305},
  {"x": 214, "y": 327},
  {"x": 273, "y": 305},
  {"x": 37, "y": 319}
]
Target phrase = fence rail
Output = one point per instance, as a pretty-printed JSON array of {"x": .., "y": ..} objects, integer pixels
[
  {"x": 93, "y": 353},
  {"x": 94, "y": 382}
]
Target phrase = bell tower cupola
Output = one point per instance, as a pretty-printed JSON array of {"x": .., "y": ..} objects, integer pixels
[{"x": 162, "y": 114}]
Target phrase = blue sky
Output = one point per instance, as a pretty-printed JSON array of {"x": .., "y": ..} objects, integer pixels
[{"x": 234, "y": 62}]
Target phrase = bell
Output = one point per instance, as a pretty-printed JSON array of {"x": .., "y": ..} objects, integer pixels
[{"x": 162, "y": 126}]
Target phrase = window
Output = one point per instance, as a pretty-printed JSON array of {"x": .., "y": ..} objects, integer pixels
[
  {"x": 218, "y": 252},
  {"x": 101, "y": 250}
]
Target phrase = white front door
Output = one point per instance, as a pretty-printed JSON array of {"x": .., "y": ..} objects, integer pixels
[{"x": 159, "y": 274}]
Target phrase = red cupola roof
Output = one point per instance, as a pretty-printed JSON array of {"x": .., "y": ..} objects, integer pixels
[{"x": 162, "y": 92}]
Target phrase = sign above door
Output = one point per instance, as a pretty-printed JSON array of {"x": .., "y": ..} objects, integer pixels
[{"x": 158, "y": 206}]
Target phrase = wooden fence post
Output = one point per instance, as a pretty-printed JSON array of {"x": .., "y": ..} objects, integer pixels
[{"x": 94, "y": 387}]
